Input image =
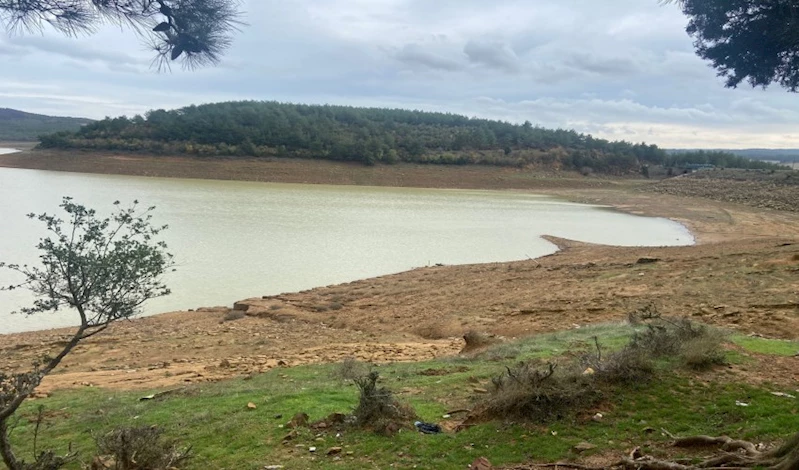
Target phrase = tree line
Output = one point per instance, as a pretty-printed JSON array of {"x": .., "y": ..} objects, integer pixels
[
  {"x": 365, "y": 135},
  {"x": 718, "y": 158}
]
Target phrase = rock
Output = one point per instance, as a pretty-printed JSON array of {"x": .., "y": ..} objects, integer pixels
[
  {"x": 597, "y": 417},
  {"x": 331, "y": 420},
  {"x": 312, "y": 449},
  {"x": 299, "y": 420},
  {"x": 334, "y": 451},
  {"x": 273, "y": 467},
  {"x": 481, "y": 463},
  {"x": 583, "y": 446},
  {"x": 647, "y": 260},
  {"x": 479, "y": 390},
  {"x": 241, "y": 307},
  {"x": 251, "y": 406},
  {"x": 589, "y": 371}
]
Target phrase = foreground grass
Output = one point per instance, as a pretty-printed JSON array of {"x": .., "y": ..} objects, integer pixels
[{"x": 225, "y": 434}]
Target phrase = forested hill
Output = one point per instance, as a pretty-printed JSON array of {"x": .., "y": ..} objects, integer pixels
[
  {"x": 19, "y": 125},
  {"x": 367, "y": 135}
]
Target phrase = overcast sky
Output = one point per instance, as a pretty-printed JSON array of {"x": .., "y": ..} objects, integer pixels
[{"x": 619, "y": 69}]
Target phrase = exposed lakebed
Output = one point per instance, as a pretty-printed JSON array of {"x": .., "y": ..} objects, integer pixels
[{"x": 233, "y": 240}]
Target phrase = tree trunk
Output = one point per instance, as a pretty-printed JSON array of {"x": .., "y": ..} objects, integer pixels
[{"x": 5, "y": 449}]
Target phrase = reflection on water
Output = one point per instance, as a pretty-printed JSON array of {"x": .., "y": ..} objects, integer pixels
[{"x": 234, "y": 240}]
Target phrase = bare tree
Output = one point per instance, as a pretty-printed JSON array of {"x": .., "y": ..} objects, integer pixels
[
  {"x": 196, "y": 32},
  {"x": 102, "y": 268}
]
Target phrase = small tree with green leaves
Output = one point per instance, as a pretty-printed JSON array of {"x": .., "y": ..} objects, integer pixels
[{"x": 104, "y": 269}]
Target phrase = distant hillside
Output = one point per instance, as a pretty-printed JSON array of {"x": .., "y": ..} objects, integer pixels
[
  {"x": 22, "y": 126},
  {"x": 776, "y": 155},
  {"x": 779, "y": 155},
  {"x": 366, "y": 135}
]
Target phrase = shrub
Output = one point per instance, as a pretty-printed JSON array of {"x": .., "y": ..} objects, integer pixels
[
  {"x": 476, "y": 340},
  {"x": 140, "y": 448},
  {"x": 351, "y": 369},
  {"x": 233, "y": 315},
  {"x": 698, "y": 346},
  {"x": 529, "y": 392},
  {"x": 48, "y": 461},
  {"x": 435, "y": 330},
  {"x": 378, "y": 409},
  {"x": 630, "y": 365},
  {"x": 703, "y": 352}
]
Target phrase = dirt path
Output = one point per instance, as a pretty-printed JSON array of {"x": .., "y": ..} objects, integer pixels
[{"x": 743, "y": 274}]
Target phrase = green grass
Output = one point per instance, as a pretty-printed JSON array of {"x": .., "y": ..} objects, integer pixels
[
  {"x": 612, "y": 335},
  {"x": 774, "y": 347},
  {"x": 214, "y": 419}
]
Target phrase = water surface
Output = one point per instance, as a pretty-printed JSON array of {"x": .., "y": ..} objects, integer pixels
[{"x": 234, "y": 240}]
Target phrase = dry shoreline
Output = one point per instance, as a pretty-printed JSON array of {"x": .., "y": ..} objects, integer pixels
[{"x": 743, "y": 273}]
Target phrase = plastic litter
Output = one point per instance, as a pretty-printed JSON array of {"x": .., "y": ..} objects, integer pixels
[{"x": 427, "y": 428}]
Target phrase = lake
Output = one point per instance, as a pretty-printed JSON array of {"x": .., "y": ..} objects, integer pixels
[{"x": 234, "y": 240}]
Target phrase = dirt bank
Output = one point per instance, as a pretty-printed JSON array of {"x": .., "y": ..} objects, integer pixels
[
  {"x": 743, "y": 274},
  {"x": 303, "y": 171},
  {"x": 756, "y": 188}
]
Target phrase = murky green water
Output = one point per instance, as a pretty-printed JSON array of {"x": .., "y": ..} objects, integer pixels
[{"x": 234, "y": 240}]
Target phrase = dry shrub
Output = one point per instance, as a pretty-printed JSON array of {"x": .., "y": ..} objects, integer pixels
[
  {"x": 647, "y": 312},
  {"x": 377, "y": 408},
  {"x": 698, "y": 346},
  {"x": 350, "y": 369},
  {"x": 476, "y": 340},
  {"x": 436, "y": 330},
  {"x": 48, "y": 461},
  {"x": 141, "y": 448},
  {"x": 233, "y": 315},
  {"x": 628, "y": 366},
  {"x": 703, "y": 352},
  {"x": 530, "y": 392}
]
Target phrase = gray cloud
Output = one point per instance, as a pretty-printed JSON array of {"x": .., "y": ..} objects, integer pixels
[
  {"x": 493, "y": 54},
  {"x": 416, "y": 54},
  {"x": 618, "y": 68},
  {"x": 603, "y": 65}
]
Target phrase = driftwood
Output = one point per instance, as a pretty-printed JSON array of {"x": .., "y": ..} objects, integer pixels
[{"x": 734, "y": 455}]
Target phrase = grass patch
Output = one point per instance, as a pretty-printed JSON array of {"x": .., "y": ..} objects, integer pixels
[
  {"x": 774, "y": 347},
  {"x": 614, "y": 336},
  {"x": 224, "y": 433}
]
